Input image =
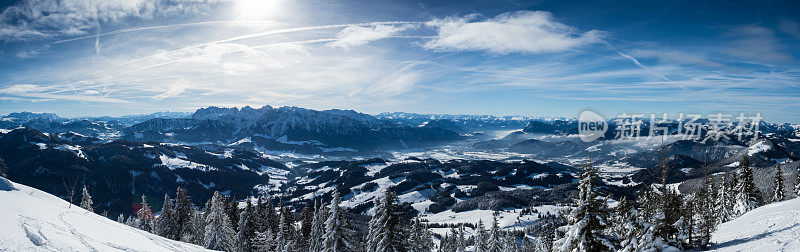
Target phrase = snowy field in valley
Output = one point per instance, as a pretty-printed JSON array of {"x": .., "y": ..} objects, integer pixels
[
  {"x": 33, "y": 220},
  {"x": 774, "y": 227}
]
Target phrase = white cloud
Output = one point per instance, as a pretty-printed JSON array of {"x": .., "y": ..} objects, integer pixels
[
  {"x": 757, "y": 44},
  {"x": 358, "y": 35},
  {"x": 790, "y": 28},
  {"x": 33, "y": 19},
  {"x": 522, "y": 31},
  {"x": 673, "y": 56}
]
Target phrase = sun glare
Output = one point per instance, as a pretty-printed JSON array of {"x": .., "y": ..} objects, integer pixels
[{"x": 256, "y": 9}]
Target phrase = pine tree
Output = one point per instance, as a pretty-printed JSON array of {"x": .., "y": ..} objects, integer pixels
[
  {"x": 386, "y": 233},
  {"x": 232, "y": 211},
  {"x": 260, "y": 214},
  {"x": 264, "y": 241},
  {"x": 247, "y": 229},
  {"x": 218, "y": 233},
  {"x": 271, "y": 217},
  {"x": 797, "y": 181},
  {"x": 494, "y": 236},
  {"x": 587, "y": 221},
  {"x": 145, "y": 215},
  {"x": 420, "y": 238},
  {"x": 748, "y": 196},
  {"x": 195, "y": 229},
  {"x": 778, "y": 194},
  {"x": 183, "y": 213},
  {"x": 165, "y": 223},
  {"x": 481, "y": 238},
  {"x": 286, "y": 232},
  {"x": 338, "y": 236},
  {"x": 86, "y": 200},
  {"x": 510, "y": 244},
  {"x": 724, "y": 200},
  {"x": 627, "y": 225},
  {"x": 305, "y": 227},
  {"x": 318, "y": 228},
  {"x": 705, "y": 216}
]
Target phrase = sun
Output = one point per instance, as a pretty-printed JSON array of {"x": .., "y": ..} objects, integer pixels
[{"x": 256, "y": 9}]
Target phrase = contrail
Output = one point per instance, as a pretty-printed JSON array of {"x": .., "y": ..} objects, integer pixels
[
  {"x": 635, "y": 61},
  {"x": 157, "y": 27},
  {"x": 259, "y": 34}
]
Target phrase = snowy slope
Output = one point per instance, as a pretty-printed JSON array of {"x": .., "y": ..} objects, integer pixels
[
  {"x": 774, "y": 227},
  {"x": 33, "y": 220}
]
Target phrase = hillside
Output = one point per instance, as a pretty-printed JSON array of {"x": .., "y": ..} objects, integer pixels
[
  {"x": 36, "y": 221},
  {"x": 774, "y": 227}
]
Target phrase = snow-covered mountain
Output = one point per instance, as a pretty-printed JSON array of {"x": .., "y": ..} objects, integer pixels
[
  {"x": 33, "y": 220},
  {"x": 774, "y": 227}
]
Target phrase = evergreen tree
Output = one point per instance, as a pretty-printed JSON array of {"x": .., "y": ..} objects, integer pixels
[
  {"x": 705, "y": 215},
  {"x": 338, "y": 236},
  {"x": 797, "y": 183},
  {"x": 386, "y": 233},
  {"x": 196, "y": 228},
  {"x": 218, "y": 233},
  {"x": 247, "y": 228},
  {"x": 420, "y": 238},
  {"x": 305, "y": 227},
  {"x": 481, "y": 238},
  {"x": 494, "y": 244},
  {"x": 587, "y": 221},
  {"x": 286, "y": 232},
  {"x": 165, "y": 223},
  {"x": 232, "y": 211},
  {"x": 627, "y": 225},
  {"x": 145, "y": 215},
  {"x": 86, "y": 200},
  {"x": 778, "y": 195},
  {"x": 264, "y": 241},
  {"x": 318, "y": 228},
  {"x": 271, "y": 217},
  {"x": 183, "y": 213},
  {"x": 260, "y": 214},
  {"x": 748, "y": 196},
  {"x": 724, "y": 200}
]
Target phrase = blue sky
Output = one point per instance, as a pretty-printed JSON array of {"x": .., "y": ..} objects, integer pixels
[{"x": 550, "y": 58}]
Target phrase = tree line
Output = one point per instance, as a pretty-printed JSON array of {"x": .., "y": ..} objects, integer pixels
[{"x": 659, "y": 217}]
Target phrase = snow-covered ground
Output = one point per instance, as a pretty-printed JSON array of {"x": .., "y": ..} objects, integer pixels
[
  {"x": 774, "y": 227},
  {"x": 32, "y": 220}
]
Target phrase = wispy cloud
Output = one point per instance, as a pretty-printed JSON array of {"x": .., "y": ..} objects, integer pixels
[
  {"x": 757, "y": 44},
  {"x": 36, "y": 19},
  {"x": 523, "y": 31},
  {"x": 358, "y": 35}
]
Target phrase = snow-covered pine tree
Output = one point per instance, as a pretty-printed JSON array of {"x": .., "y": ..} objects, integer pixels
[
  {"x": 260, "y": 214},
  {"x": 286, "y": 233},
  {"x": 797, "y": 183},
  {"x": 724, "y": 200},
  {"x": 748, "y": 197},
  {"x": 305, "y": 227},
  {"x": 317, "y": 228},
  {"x": 495, "y": 240},
  {"x": 626, "y": 226},
  {"x": 461, "y": 242},
  {"x": 196, "y": 228},
  {"x": 386, "y": 233},
  {"x": 778, "y": 193},
  {"x": 86, "y": 200},
  {"x": 247, "y": 228},
  {"x": 481, "y": 238},
  {"x": 145, "y": 215},
  {"x": 704, "y": 214},
  {"x": 586, "y": 222},
  {"x": 183, "y": 213},
  {"x": 264, "y": 241},
  {"x": 510, "y": 244},
  {"x": 420, "y": 238},
  {"x": 121, "y": 218},
  {"x": 165, "y": 223},
  {"x": 338, "y": 236},
  {"x": 271, "y": 217},
  {"x": 232, "y": 211},
  {"x": 218, "y": 233}
]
